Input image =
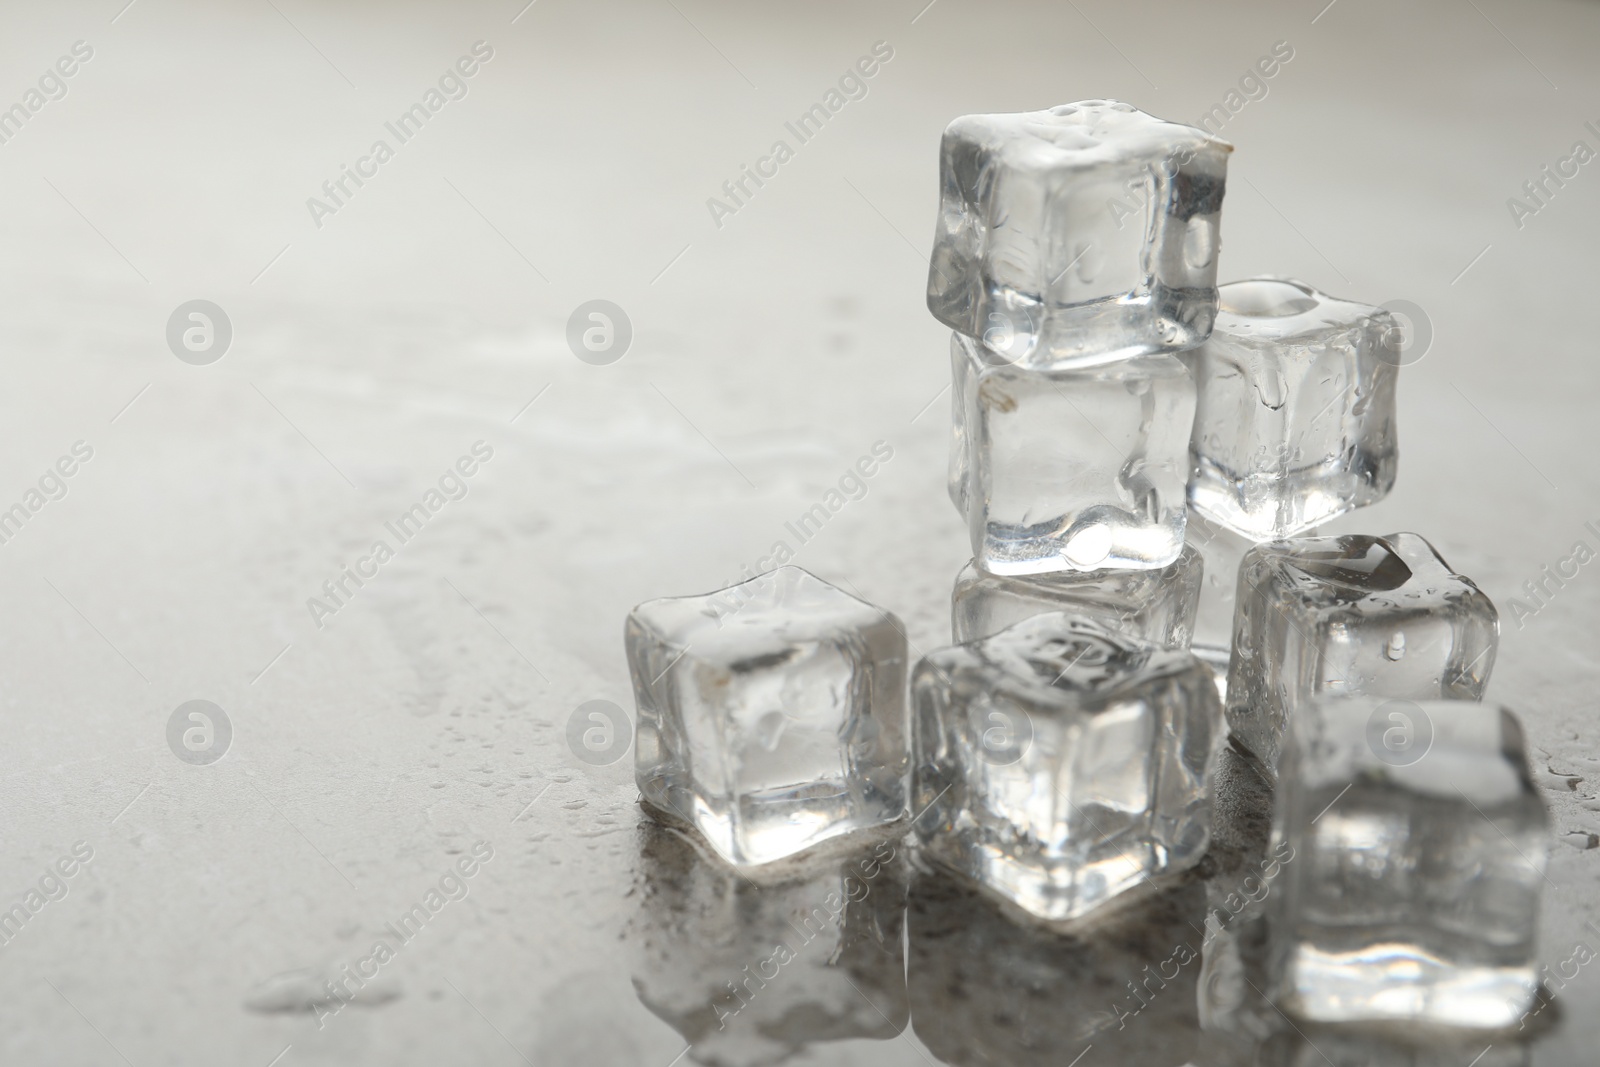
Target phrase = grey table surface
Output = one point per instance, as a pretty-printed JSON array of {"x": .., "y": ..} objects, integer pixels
[{"x": 375, "y": 342}]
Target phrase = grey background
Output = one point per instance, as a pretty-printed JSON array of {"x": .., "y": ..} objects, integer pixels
[{"x": 768, "y": 354}]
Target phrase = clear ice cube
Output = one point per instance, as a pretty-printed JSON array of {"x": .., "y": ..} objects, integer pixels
[
  {"x": 753, "y": 973},
  {"x": 1070, "y": 469},
  {"x": 1059, "y": 765},
  {"x": 1347, "y": 616},
  {"x": 1221, "y": 551},
  {"x": 1154, "y": 606},
  {"x": 1413, "y": 894},
  {"x": 1082, "y": 234},
  {"x": 772, "y": 714},
  {"x": 1295, "y": 416}
]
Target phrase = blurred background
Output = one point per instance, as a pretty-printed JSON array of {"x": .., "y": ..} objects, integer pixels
[{"x": 362, "y": 340}]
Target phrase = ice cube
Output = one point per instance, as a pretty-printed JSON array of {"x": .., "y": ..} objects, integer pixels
[
  {"x": 1070, "y": 469},
  {"x": 1081, "y": 234},
  {"x": 752, "y": 973},
  {"x": 772, "y": 715},
  {"x": 1059, "y": 765},
  {"x": 1353, "y": 615},
  {"x": 1221, "y": 551},
  {"x": 1419, "y": 853},
  {"x": 1295, "y": 416},
  {"x": 1155, "y": 606}
]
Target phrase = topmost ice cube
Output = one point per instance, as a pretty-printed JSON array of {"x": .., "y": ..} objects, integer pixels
[{"x": 1079, "y": 235}]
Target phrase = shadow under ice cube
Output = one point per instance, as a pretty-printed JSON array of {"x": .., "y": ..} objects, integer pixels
[
  {"x": 1414, "y": 893},
  {"x": 1346, "y": 616},
  {"x": 753, "y": 974},
  {"x": 1070, "y": 469},
  {"x": 772, "y": 714},
  {"x": 1082, "y": 234},
  {"x": 992, "y": 989},
  {"x": 1059, "y": 765},
  {"x": 1294, "y": 422}
]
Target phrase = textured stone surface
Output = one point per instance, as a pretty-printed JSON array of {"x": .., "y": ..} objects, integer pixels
[{"x": 406, "y": 328}]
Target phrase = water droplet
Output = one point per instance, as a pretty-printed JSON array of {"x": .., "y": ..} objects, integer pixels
[
  {"x": 311, "y": 990},
  {"x": 1089, "y": 262}
]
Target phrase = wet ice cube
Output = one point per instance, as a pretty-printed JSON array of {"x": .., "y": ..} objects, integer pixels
[
  {"x": 1152, "y": 605},
  {"x": 1221, "y": 551},
  {"x": 1413, "y": 894},
  {"x": 1070, "y": 469},
  {"x": 1058, "y": 765},
  {"x": 1354, "y": 615},
  {"x": 1295, "y": 416},
  {"x": 772, "y": 715},
  {"x": 1078, "y": 235}
]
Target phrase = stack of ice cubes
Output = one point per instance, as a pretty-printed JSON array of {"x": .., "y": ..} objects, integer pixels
[
  {"x": 1142, "y": 458},
  {"x": 1075, "y": 259}
]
